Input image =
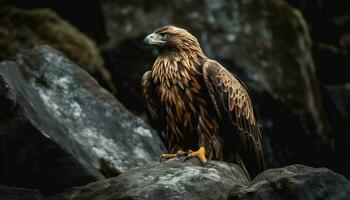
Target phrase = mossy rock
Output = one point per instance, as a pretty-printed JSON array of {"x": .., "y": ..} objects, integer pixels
[{"x": 22, "y": 29}]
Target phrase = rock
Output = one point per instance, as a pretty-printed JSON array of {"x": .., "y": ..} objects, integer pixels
[
  {"x": 287, "y": 75},
  {"x": 89, "y": 20},
  {"x": 337, "y": 103},
  {"x": 23, "y": 29},
  {"x": 175, "y": 179},
  {"x": 172, "y": 179},
  {"x": 11, "y": 193},
  {"x": 329, "y": 26},
  {"x": 59, "y": 127},
  {"x": 29, "y": 155},
  {"x": 295, "y": 182}
]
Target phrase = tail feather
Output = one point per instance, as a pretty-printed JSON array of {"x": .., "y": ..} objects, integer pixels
[{"x": 240, "y": 162}]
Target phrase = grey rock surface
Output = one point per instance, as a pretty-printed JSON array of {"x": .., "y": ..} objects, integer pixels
[
  {"x": 295, "y": 182},
  {"x": 66, "y": 112},
  {"x": 172, "y": 179},
  {"x": 175, "y": 180}
]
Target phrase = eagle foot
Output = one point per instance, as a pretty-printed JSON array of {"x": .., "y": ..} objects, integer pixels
[{"x": 200, "y": 154}]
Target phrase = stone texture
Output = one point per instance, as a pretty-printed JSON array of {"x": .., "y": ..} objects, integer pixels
[
  {"x": 59, "y": 127},
  {"x": 295, "y": 182},
  {"x": 173, "y": 179}
]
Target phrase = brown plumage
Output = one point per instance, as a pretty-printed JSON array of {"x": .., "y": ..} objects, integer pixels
[{"x": 193, "y": 101}]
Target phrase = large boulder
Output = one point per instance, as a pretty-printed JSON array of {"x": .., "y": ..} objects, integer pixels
[
  {"x": 329, "y": 26},
  {"x": 60, "y": 128},
  {"x": 23, "y": 29},
  {"x": 295, "y": 182},
  {"x": 173, "y": 179}
]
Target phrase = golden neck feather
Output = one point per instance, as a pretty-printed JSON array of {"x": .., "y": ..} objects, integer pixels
[{"x": 177, "y": 66}]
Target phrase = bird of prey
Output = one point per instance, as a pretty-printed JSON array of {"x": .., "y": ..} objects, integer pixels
[{"x": 195, "y": 103}]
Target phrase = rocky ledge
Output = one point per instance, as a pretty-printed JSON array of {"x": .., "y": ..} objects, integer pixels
[{"x": 175, "y": 179}]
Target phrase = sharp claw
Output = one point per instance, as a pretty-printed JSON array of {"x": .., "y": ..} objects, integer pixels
[{"x": 200, "y": 154}]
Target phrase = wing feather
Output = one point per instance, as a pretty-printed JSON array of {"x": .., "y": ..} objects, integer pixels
[
  {"x": 232, "y": 103},
  {"x": 152, "y": 102}
]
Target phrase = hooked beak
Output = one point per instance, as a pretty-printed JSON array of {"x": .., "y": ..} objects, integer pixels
[{"x": 153, "y": 39}]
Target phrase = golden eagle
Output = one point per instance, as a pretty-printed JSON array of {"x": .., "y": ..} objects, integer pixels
[{"x": 194, "y": 102}]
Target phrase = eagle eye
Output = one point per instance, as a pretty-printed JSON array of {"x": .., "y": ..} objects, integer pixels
[{"x": 164, "y": 35}]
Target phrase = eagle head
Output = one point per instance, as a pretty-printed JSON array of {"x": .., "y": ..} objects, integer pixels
[{"x": 172, "y": 38}]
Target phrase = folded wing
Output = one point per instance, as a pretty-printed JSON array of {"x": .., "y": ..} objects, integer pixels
[{"x": 233, "y": 105}]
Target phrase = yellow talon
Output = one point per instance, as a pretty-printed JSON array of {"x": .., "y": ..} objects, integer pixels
[
  {"x": 168, "y": 156},
  {"x": 200, "y": 154},
  {"x": 179, "y": 153}
]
